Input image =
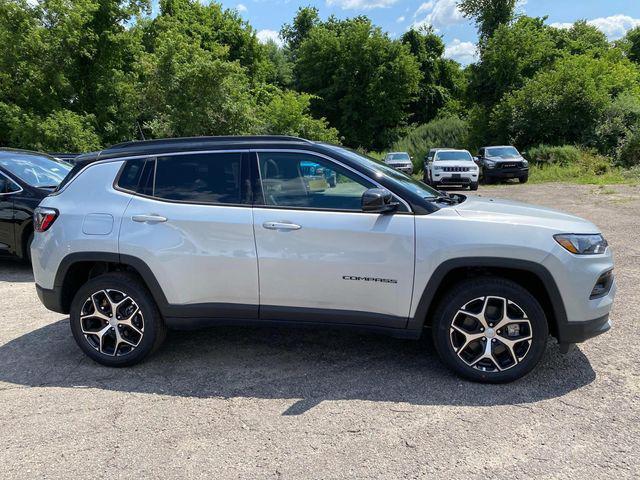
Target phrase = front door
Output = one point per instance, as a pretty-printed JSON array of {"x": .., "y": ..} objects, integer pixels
[
  {"x": 320, "y": 257},
  {"x": 191, "y": 223}
]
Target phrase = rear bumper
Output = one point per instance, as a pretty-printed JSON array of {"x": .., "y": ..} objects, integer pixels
[
  {"x": 506, "y": 172},
  {"x": 50, "y": 299}
]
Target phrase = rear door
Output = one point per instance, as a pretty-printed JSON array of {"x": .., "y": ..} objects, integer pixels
[
  {"x": 190, "y": 221},
  {"x": 8, "y": 188},
  {"x": 320, "y": 257}
]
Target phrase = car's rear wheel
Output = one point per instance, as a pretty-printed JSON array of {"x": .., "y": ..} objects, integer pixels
[
  {"x": 490, "y": 330},
  {"x": 115, "y": 320}
]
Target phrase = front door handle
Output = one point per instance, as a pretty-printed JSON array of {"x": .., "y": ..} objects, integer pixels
[
  {"x": 148, "y": 219},
  {"x": 281, "y": 226}
]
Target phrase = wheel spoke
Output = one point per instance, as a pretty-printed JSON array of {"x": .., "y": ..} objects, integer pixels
[
  {"x": 113, "y": 328},
  {"x": 495, "y": 316}
]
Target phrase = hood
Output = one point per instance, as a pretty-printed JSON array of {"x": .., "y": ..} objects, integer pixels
[
  {"x": 517, "y": 213},
  {"x": 505, "y": 158},
  {"x": 398, "y": 162},
  {"x": 454, "y": 163}
]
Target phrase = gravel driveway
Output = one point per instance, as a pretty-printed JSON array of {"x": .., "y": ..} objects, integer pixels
[{"x": 271, "y": 403}]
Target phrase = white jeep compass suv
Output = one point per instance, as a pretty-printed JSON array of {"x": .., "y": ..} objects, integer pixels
[
  {"x": 451, "y": 167},
  {"x": 182, "y": 233}
]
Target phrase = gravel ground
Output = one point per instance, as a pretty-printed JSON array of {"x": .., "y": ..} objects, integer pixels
[{"x": 271, "y": 403}]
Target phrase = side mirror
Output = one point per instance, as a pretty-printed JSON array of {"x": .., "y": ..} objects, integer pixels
[{"x": 378, "y": 200}]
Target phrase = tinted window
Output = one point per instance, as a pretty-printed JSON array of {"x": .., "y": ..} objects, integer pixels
[
  {"x": 453, "y": 156},
  {"x": 130, "y": 176},
  {"x": 306, "y": 181},
  {"x": 7, "y": 186},
  {"x": 201, "y": 178},
  {"x": 399, "y": 156},
  {"x": 36, "y": 170}
]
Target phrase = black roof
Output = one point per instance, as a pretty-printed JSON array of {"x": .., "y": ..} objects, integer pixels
[{"x": 164, "y": 145}]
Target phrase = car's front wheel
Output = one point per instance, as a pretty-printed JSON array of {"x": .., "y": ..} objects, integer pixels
[
  {"x": 115, "y": 321},
  {"x": 490, "y": 330},
  {"x": 473, "y": 186},
  {"x": 524, "y": 179}
]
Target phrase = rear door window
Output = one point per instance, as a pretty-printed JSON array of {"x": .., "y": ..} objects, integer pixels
[{"x": 199, "y": 178}]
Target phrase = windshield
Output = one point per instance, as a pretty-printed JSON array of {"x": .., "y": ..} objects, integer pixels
[
  {"x": 378, "y": 170},
  {"x": 35, "y": 170},
  {"x": 463, "y": 155},
  {"x": 504, "y": 152},
  {"x": 398, "y": 156}
]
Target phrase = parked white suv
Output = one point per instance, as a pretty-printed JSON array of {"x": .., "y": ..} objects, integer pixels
[
  {"x": 451, "y": 167},
  {"x": 193, "y": 232},
  {"x": 400, "y": 161}
]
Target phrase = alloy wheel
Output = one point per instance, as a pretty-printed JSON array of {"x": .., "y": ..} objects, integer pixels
[
  {"x": 111, "y": 322},
  {"x": 491, "y": 334}
]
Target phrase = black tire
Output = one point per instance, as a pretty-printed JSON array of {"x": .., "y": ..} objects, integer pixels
[
  {"x": 26, "y": 255},
  {"x": 153, "y": 327},
  {"x": 524, "y": 179},
  {"x": 461, "y": 295},
  {"x": 473, "y": 186},
  {"x": 487, "y": 180}
]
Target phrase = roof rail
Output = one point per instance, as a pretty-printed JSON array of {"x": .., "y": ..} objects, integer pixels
[{"x": 213, "y": 139}]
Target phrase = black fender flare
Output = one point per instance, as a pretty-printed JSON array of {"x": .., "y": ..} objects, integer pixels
[{"x": 427, "y": 299}]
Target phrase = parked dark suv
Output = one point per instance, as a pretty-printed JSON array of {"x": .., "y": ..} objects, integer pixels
[
  {"x": 501, "y": 163},
  {"x": 25, "y": 179}
]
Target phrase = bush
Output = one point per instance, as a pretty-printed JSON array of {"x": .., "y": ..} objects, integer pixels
[
  {"x": 562, "y": 155},
  {"x": 449, "y": 132},
  {"x": 629, "y": 150}
]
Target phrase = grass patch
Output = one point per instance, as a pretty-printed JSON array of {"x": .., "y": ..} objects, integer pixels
[{"x": 544, "y": 173}]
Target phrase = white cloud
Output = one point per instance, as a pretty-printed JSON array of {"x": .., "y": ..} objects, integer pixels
[
  {"x": 400, "y": 19},
  {"x": 265, "y": 35},
  {"x": 241, "y": 8},
  {"x": 439, "y": 13},
  {"x": 360, "y": 4},
  {"x": 463, "y": 52},
  {"x": 614, "y": 27}
]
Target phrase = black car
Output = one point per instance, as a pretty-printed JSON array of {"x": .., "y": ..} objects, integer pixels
[
  {"x": 25, "y": 179},
  {"x": 501, "y": 163}
]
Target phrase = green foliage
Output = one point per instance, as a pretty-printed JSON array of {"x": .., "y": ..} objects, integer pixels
[
  {"x": 488, "y": 15},
  {"x": 577, "y": 174},
  {"x": 629, "y": 150},
  {"x": 581, "y": 39},
  {"x": 295, "y": 33},
  {"x": 563, "y": 104},
  {"x": 441, "y": 84},
  {"x": 287, "y": 113},
  {"x": 449, "y": 132},
  {"x": 362, "y": 80},
  {"x": 633, "y": 44},
  {"x": 559, "y": 155}
]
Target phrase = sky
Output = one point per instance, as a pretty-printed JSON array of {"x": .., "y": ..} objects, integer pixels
[{"x": 613, "y": 17}]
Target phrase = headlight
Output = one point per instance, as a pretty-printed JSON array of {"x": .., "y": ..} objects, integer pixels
[
  {"x": 437, "y": 167},
  {"x": 489, "y": 163},
  {"x": 525, "y": 163},
  {"x": 582, "y": 244}
]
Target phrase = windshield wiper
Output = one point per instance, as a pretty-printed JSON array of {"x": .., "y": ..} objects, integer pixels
[{"x": 443, "y": 197}]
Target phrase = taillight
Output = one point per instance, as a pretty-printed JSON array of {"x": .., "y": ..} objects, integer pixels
[{"x": 43, "y": 218}]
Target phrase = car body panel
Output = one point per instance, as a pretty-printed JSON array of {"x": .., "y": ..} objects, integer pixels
[{"x": 337, "y": 261}]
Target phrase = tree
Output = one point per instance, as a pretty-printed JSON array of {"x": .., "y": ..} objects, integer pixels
[
  {"x": 563, "y": 104},
  {"x": 295, "y": 33},
  {"x": 488, "y": 15},
  {"x": 581, "y": 38},
  {"x": 633, "y": 44},
  {"x": 362, "y": 81},
  {"x": 439, "y": 83}
]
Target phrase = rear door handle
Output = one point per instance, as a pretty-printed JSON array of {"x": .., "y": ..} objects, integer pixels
[
  {"x": 281, "y": 226},
  {"x": 148, "y": 219}
]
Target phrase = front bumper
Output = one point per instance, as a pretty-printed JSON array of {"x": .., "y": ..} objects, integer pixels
[
  {"x": 403, "y": 168},
  {"x": 506, "y": 172},
  {"x": 576, "y": 332}
]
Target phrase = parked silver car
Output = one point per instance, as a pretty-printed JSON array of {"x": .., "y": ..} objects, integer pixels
[{"x": 193, "y": 232}]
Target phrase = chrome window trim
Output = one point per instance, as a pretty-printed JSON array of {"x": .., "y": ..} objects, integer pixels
[
  {"x": 330, "y": 159},
  {"x": 20, "y": 189}
]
